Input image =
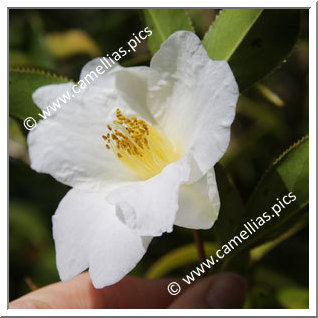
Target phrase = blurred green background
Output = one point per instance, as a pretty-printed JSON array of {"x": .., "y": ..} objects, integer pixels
[{"x": 62, "y": 41}]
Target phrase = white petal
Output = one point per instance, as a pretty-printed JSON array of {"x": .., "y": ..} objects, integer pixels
[
  {"x": 88, "y": 233},
  {"x": 90, "y": 68},
  {"x": 70, "y": 148},
  {"x": 199, "y": 203},
  {"x": 132, "y": 85},
  {"x": 129, "y": 88},
  {"x": 150, "y": 206},
  {"x": 69, "y": 145},
  {"x": 43, "y": 98},
  {"x": 193, "y": 98}
]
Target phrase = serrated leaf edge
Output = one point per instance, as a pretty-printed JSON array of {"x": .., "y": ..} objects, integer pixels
[
  {"x": 276, "y": 161},
  {"x": 39, "y": 72},
  {"x": 211, "y": 25},
  {"x": 284, "y": 153},
  {"x": 189, "y": 20},
  {"x": 214, "y": 23}
]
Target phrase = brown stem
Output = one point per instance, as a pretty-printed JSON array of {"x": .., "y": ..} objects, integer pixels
[{"x": 199, "y": 244}]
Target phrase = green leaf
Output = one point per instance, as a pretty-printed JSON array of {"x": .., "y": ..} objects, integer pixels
[
  {"x": 164, "y": 22},
  {"x": 232, "y": 208},
  {"x": 294, "y": 297},
  {"x": 22, "y": 83},
  {"x": 253, "y": 41},
  {"x": 228, "y": 32},
  {"x": 230, "y": 218},
  {"x": 259, "y": 252},
  {"x": 289, "y": 173},
  {"x": 177, "y": 258}
]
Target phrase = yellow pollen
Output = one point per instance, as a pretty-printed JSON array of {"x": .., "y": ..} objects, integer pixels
[{"x": 139, "y": 146}]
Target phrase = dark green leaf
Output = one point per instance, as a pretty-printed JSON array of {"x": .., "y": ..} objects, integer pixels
[
  {"x": 253, "y": 41},
  {"x": 288, "y": 174},
  {"x": 259, "y": 252},
  {"x": 22, "y": 83},
  {"x": 230, "y": 218},
  {"x": 164, "y": 22},
  {"x": 232, "y": 208}
]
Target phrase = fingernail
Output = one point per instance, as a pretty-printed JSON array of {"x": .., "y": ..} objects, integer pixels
[{"x": 227, "y": 291}]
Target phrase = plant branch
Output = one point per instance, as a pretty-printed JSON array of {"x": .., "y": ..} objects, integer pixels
[{"x": 199, "y": 245}]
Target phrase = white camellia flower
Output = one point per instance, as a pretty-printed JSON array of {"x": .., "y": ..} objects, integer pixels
[{"x": 137, "y": 146}]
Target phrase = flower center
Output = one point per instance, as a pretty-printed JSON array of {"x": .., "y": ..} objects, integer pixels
[{"x": 139, "y": 145}]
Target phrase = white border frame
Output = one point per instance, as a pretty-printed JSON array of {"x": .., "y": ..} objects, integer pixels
[{"x": 312, "y": 164}]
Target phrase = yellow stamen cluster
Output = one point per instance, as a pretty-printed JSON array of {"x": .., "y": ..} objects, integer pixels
[{"x": 139, "y": 145}]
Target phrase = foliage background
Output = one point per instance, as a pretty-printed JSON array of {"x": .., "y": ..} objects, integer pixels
[{"x": 272, "y": 114}]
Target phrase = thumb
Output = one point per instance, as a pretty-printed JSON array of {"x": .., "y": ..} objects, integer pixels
[{"x": 226, "y": 291}]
